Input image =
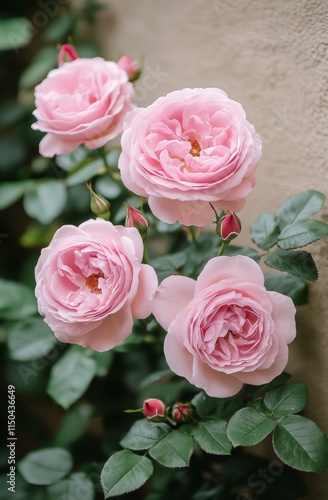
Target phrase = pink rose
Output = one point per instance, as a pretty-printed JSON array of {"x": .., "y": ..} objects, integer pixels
[
  {"x": 81, "y": 102},
  {"x": 225, "y": 329},
  {"x": 129, "y": 66},
  {"x": 187, "y": 149},
  {"x": 90, "y": 284}
]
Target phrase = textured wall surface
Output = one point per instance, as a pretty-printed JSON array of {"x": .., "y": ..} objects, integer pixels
[{"x": 273, "y": 58}]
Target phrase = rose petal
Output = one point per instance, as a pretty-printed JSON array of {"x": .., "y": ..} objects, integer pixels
[
  {"x": 283, "y": 314},
  {"x": 142, "y": 303}
]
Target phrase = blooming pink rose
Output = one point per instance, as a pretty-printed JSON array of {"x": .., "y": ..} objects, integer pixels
[
  {"x": 225, "y": 329},
  {"x": 187, "y": 149},
  {"x": 81, "y": 102},
  {"x": 90, "y": 284}
]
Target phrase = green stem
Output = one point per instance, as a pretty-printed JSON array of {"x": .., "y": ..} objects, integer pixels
[
  {"x": 193, "y": 235},
  {"x": 222, "y": 248},
  {"x": 145, "y": 255}
]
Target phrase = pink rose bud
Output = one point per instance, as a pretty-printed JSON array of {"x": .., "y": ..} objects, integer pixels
[
  {"x": 130, "y": 67},
  {"x": 68, "y": 51},
  {"x": 228, "y": 227},
  {"x": 182, "y": 412},
  {"x": 154, "y": 409},
  {"x": 98, "y": 204},
  {"x": 135, "y": 218}
]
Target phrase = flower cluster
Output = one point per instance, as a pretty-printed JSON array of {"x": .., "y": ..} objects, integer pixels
[{"x": 189, "y": 153}]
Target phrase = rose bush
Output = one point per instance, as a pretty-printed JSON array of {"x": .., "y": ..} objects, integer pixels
[
  {"x": 91, "y": 284},
  {"x": 187, "y": 149},
  {"x": 82, "y": 102},
  {"x": 225, "y": 329}
]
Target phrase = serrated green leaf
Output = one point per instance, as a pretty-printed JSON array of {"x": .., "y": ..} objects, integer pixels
[
  {"x": 45, "y": 201},
  {"x": 76, "y": 487},
  {"x": 30, "y": 339},
  {"x": 265, "y": 230},
  {"x": 302, "y": 234},
  {"x": 300, "y": 207},
  {"x": 46, "y": 466},
  {"x": 124, "y": 472},
  {"x": 144, "y": 434},
  {"x": 70, "y": 376},
  {"x": 211, "y": 437},
  {"x": 10, "y": 192},
  {"x": 17, "y": 301},
  {"x": 301, "y": 444},
  {"x": 293, "y": 287},
  {"x": 15, "y": 33},
  {"x": 295, "y": 262},
  {"x": 174, "y": 450},
  {"x": 249, "y": 426},
  {"x": 205, "y": 405},
  {"x": 291, "y": 398}
]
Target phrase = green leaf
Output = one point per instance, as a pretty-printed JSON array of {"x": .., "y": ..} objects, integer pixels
[
  {"x": 205, "y": 405},
  {"x": 257, "y": 391},
  {"x": 15, "y": 33},
  {"x": 68, "y": 162},
  {"x": 290, "y": 398},
  {"x": 249, "y": 426},
  {"x": 46, "y": 466},
  {"x": 74, "y": 425},
  {"x": 104, "y": 361},
  {"x": 300, "y": 207},
  {"x": 71, "y": 375},
  {"x": 76, "y": 487},
  {"x": 265, "y": 230},
  {"x": 298, "y": 263},
  {"x": 124, "y": 472},
  {"x": 108, "y": 188},
  {"x": 301, "y": 444},
  {"x": 211, "y": 437},
  {"x": 174, "y": 450},
  {"x": 42, "y": 63},
  {"x": 84, "y": 172},
  {"x": 293, "y": 287},
  {"x": 302, "y": 234},
  {"x": 10, "y": 192},
  {"x": 30, "y": 339},
  {"x": 58, "y": 30},
  {"x": 17, "y": 301},
  {"x": 232, "y": 250},
  {"x": 45, "y": 201},
  {"x": 144, "y": 434},
  {"x": 168, "y": 264}
]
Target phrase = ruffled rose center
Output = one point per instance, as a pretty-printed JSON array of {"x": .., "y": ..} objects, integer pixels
[
  {"x": 92, "y": 282},
  {"x": 195, "y": 148}
]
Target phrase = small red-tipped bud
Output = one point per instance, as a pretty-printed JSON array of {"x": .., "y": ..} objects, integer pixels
[
  {"x": 154, "y": 409},
  {"x": 135, "y": 218},
  {"x": 66, "y": 53},
  {"x": 182, "y": 412},
  {"x": 98, "y": 204},
  {"x": 228, "y": 227},
  {"x": 130, "y": 67}
]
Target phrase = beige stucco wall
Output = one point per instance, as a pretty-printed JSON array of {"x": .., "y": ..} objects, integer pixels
[{"x": 273, "y": 58}]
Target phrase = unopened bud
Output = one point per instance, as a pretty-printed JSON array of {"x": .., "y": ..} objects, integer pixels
[
  {"x": 66, "y": 53},
  {"x": 182, "y": 412},
  {"x": 130, "y": 67},
  {"x": 135, "y": 218},
  {"x": 228, "y": 227},
  {"x": 98, "y": 204},
  {"x": 154, "y": 409}
]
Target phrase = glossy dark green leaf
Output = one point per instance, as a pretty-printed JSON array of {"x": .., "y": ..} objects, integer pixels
[
  {"x": 297, "y": 263},
  {"x": 211, "y": 437},
  {"x": 124, "y": 472},
  {"x": 249, "y": 426},
  {"x": 300, "y": 207},
  {"x": 293, "y": 287},
  {"x": 174, "y": 450},
  {"x": 265, "y": 230},
  {"x": 302, "y": 234},
  {"x": 291, "y": 398},
  {"x": 301, "y": 444},
  {"x": 144, "y": 434}
]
